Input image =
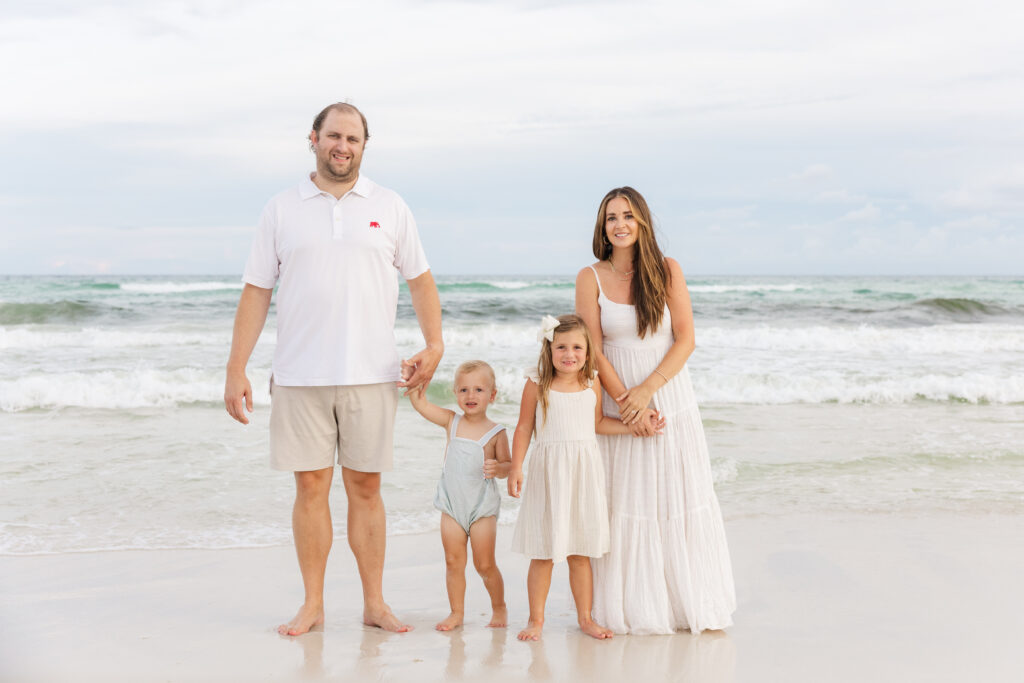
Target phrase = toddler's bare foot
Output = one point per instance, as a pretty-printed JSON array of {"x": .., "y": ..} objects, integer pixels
[
  {"x": 532, "y": 630},
  {"x": 499, "y": 619},
  {"x": 453, "y": 620},
  {"x": 306, "y": 618},
  {"x": 383, "y": 618},
  {"x": 595, "y": 630}
]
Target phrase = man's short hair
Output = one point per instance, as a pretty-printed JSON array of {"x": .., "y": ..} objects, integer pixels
[{"x": 345, "y": 107}]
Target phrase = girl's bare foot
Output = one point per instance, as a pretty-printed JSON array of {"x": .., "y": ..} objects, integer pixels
[
  {"x": 383, "y": 618},
  {"x": 306, "y": 618},
  {"x": 532, "y": 630},
  {"x": 499, "y": 619},
  {"x": 453, "y": 620},
  {"x": 595, "y": 630}
]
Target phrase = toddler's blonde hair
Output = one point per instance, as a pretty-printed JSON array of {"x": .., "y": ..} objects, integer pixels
[{"x": 472, "y": 366}]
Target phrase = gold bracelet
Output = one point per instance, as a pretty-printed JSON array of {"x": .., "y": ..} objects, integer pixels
[{"x": 662, "y": 375}]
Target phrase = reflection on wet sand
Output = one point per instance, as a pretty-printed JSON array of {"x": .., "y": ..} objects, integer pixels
[{"x": 709, "y": 657}]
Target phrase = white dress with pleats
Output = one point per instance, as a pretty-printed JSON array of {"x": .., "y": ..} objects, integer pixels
[
  {"x": 668, "y": 567},
  {"x": 564, "y": 511}
]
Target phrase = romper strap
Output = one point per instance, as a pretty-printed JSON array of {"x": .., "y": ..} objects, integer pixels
[
  {"x": 454, "y": 429},
  {"x": 598, "y": 278},
  {"x": 490, "y": 434}
]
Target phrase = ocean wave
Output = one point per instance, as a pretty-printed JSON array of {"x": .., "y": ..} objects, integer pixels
[
  {"x": 866, "y": 339},
  {"x": 177, "y": 287},
  {"x": 722, "y": 289},
  {"x": 833, "y": 387},
  {"x": 101, "y": 338},
  {"x": 960, "y": 309},
  {"x": 140, "y": 388},
  {"x": 24, "y": 313},
  {"x": 503, "y": 285}
]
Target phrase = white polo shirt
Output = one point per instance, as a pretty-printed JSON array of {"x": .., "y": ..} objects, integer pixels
[{"x": 338, "y": 294}]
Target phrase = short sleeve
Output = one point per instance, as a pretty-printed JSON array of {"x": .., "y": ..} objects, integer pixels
[
  {"x": 410, "y": 260},
  {"x": 263, "y": 267},
  {"x": 532, "y": 375}
]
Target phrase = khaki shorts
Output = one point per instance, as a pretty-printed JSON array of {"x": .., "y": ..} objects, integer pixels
[{"x": 308, "y": 424}]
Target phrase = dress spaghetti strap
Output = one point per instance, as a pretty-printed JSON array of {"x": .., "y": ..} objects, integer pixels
[{"x": 600, "y": 291}]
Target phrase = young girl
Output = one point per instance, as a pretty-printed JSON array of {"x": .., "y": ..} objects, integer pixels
[
  {"x": 564, "y": 515},
  {"x": 467, "y": 495}
]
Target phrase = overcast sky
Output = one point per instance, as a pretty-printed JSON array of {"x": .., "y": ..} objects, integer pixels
[{"x": 769, "y": 137}]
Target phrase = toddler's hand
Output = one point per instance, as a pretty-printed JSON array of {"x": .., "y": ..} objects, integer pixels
[
  {"x": 407, "y": 370},
  {"x": 515, "y": 483},
  {"x": 490, "y": 468}
]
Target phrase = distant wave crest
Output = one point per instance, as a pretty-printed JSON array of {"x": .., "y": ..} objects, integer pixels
[{"x": 175, "y": 287}]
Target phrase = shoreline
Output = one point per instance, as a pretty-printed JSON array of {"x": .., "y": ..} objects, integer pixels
[{"x": 847, "y": 597}]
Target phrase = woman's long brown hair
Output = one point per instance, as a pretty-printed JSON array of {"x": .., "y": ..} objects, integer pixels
[
  {"x": 649, "y": 288},
  {"x": 546, "y": 367}
]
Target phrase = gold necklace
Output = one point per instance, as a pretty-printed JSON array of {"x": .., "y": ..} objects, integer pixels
[{"x": 610, "y": 263}]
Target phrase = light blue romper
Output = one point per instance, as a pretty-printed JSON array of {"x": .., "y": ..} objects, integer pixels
[{"x": 463, "y": 493}]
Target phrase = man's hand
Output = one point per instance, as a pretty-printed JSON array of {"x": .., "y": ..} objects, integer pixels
[
  {"x": 238, "y": 393},
  {"x": 422, "y": 367}
]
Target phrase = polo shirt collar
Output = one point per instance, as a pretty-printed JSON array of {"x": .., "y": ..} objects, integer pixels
[{"x": 363, "y": 187}]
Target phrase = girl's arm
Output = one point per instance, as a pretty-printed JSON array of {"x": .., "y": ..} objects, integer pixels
[
  {"x": 613, "y": 425},
  {"x": 589, "y": 309},
  {"x": 501, "y": 463},
  {"x": 442, "y": 417},
  {"x": 521, "y": 438},
  {"x": 633, "y": 402}
]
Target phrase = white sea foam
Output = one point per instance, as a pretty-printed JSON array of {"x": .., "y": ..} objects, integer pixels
[
  {"x": 171, "y": 287},
  {"x": 138, "y": 388},
  {"x": 90, "y": 337},
  {"x": 834, "y": 387},
  {"x": 721, "y": 289},
  {"x": 509, "y": 284},
  {"x": 866, "y": 339}
]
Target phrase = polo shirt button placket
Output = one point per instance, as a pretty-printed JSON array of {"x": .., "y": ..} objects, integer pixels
[{"x": 338, "y": 225}]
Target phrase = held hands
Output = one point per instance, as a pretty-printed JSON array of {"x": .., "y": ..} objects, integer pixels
[
  {"x": 418, "y": 370},
  {"x": 650, "y": 423},
  {"x": 238, "y": 392},
  {"x": 633, "y": 403},
  {"x": 490, "y": 469},
  {"x": 515, "y": 482}
]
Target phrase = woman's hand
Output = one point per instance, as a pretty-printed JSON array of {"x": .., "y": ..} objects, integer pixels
[
  {"x": 650, "y": 423},
  {"x": 633, "y": 403}
]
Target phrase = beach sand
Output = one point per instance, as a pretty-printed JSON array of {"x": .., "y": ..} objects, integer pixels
[{"x": 845, "y": 598}]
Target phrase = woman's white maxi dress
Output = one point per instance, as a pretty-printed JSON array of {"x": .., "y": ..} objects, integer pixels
[{"x": 668, "y": 567}]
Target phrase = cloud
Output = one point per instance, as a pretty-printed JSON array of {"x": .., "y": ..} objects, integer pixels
[
  {"x": 814, "y": 172},
  {"x": 867, "y": 213}
]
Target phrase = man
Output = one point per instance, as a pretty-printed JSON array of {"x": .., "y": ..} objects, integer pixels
[{"x": 334, "y": 243}]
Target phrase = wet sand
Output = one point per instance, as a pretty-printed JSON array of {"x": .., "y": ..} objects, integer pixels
[{"x": 845, "y": 598}]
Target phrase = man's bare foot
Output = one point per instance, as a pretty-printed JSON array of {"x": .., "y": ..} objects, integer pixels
[
  {"x": 305, "y": 619},
  {"x": 383, "y": 618},
  {"x": 499, "y": 619},
  {"x": 595, "y": 630},
  {"x": 532, "y": 631},
  {"x": 453, "y": 620}
]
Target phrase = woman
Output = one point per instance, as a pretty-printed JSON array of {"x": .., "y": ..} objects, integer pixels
[{"x": 668, "y": 568}]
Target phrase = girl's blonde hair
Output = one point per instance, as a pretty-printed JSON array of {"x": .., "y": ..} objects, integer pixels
[
  {"x": 472, "y": 366},
  {"x": 546, "y": 367},
  {"x": 649, "y": 288}
]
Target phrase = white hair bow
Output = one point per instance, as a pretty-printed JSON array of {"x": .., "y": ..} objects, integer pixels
[{"x": 547, "y": 328}]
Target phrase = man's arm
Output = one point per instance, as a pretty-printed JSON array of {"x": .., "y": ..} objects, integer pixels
[
  {"x": 427, "y": 304},
  {"x": 249, "y": 320}
]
